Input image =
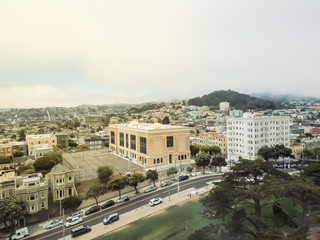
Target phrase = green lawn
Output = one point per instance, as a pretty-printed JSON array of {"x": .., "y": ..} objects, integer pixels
[{"x": 177, "y": 222}]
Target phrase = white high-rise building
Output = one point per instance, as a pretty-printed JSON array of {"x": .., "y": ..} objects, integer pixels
[{"x": 248, "y": 133}]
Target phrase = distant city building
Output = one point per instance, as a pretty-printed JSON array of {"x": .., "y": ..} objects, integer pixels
[
  {"x": 7, "y": 184},
  {"x": 63, "y": 139},
  {"x": 33, "y": 191},
  {"x": 214, "y": 139},
  {"x": 20, "y": 146},
  {"x": 93, "y": 119},
  {"x": 297, "y": 150},
  {"x": 224, "y": 106},
  {"x": 40, "y": 150},
  {"x": 150, "y": 144},
  {"x": 33, "y": 140},
  {"x": 61, "y": 182},
  {"x": 6, "y": 150},
  {"x": 95, "y": 142},
  {"x": 247, "y": 134}
]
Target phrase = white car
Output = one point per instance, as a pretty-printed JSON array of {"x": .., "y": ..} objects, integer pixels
[
  {"x": 75, "y": 214},
  {"x": 54, "y": 223},
  {"x": 74, "y": 221},
  {"x": 20, "y": 233},
  {"x": 155, "y": 201}
]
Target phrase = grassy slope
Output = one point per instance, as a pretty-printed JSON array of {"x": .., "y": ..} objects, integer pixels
[{"x": 177, "y": 222}]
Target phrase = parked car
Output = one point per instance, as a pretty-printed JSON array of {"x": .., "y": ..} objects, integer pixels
[
  {"x": 150, "y": 189},
  {"x": 79, "y": 230},
  {"x": 54, "y": 223},
  {"x": 93, "y": 209},
  {"x": 175, "y": 178},
  {"x": 123, "y": 199},
  {"x": 111, "y": 218},
  {"x": 166, "y": 183},
  {"x": 20, "y": 233},
  {"x": 74, "y": 221},
  {"x": 108, "y": 204},
  {"x": 183, "y": 177},
  {"x": 155, "y": 201},
  {"x": 75, "y": 214}
]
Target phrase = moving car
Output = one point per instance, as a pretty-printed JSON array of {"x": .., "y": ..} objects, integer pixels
[
  {"x": 54, "y": 223},
  {"x": 150, "y": 189},
  {"x": 79, "y": 230},
  {"x": 183, "y": 177},
  {"x": 123, "y": 199},
  {"x": 75, "y": 214},
  {"x": 166, "y": 183},
  {"x": 93, "y": 209},
  {"x": 108, "y": 204},
  {"x": 20, "y": 233},
  {"x": 74, "y": 221},
  {"x": 111, "y": 218},
  {"x": 155, "y": 201}
]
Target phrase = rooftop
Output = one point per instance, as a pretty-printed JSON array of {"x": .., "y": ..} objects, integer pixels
[{"x": 148, "y": 126}]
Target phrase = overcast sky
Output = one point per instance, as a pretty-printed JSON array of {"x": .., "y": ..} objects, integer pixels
[{"x": 67, "y": 53}]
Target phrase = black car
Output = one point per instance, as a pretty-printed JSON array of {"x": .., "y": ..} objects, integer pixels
[
  {"x": 183, "y": 177},
  {"x": 92, "y": 210},
  {"x": 80, "y": 230},
  {"x": 108, "y": 204}
]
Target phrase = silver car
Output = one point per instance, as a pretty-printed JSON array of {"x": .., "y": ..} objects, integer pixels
[
  {"x": 75, "y": 214},
  {"x": 54, "y": 223},
  {"x": 150, "y": 189}
]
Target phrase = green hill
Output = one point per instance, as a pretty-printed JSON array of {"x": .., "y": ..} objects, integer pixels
[{"x": 237, "y": 101}]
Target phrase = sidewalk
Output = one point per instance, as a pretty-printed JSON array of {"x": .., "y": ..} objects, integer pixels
[
  {"x": 144, "y": 211},
  {"x": 36, "y": 229}
]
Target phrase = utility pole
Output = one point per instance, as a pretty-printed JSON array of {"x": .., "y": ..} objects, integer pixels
[{"x": 63, "y": 223}]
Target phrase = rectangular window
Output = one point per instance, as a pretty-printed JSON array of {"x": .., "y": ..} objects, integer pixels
[
  {"x": 127, "y": 141},
  {"x": 143, "y": 145},
  {"x": 170, "y": 141},
  {"x": 112, "y": 137},
  {"x": 133, "y": 142},
  {"x": 121, "y": 136},
  {"x": 32, "y": 197}
]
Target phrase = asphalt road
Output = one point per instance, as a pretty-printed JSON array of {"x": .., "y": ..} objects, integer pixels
[{"x": 97, "y": 218}]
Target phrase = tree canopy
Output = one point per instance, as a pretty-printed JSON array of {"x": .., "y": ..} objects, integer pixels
[
  {"x": 96, "y": 191},
  {"x": 152, "y": 175},
  {"x": 171, "y": 171},
  {"x": 194, "y": 149},
  {"x": 117, "y": 184},
  {"x": 134, "y": 179},
  {"x": 202, "y": 160},
  {"x": 257, "y": 201},
  {"x": 274, "y": 152},
  {"x": 11, "y": 210},
  {"x": 72, "y": 202},
  {"x": 104, "y": 173}
]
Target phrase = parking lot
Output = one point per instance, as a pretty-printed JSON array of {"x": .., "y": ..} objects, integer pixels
[{"x": 86, "y": 163}]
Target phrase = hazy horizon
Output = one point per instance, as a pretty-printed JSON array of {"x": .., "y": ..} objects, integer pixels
[{"x": 69, "y": 53}]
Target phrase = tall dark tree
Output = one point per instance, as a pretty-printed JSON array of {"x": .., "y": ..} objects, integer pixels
[
  {"x": 117, "y": 184},
  {"x": 11, "y": 210},
  {"x": 218, "y": 162},
  {"x": 96, "y": 191},
  {"x": 202, "y": 160},
  {"x": 104, "y": 173},
  {"x": 165, "y": 120},
  {"x": 239, "y": 199},
  {"x": 22, "y": 135},
  {"x": 134, "y": 179},
  {"x": 194, "y": 149},
  {"x": 266, "y": 152},
  {"x": 72, "y": 202},
  {"x": 152, "y": 175}
]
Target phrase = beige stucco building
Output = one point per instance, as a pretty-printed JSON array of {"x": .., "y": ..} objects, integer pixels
[
  {"x": 61, "y": 182},
  {"x": 34, "y": 140},
  {"x": 6, "y": 150},
  {"x": 33, "y": 191},
  {"x": 7, "y": 184},
  {"x": 214, "y": 139},
  {"x": 150, "y": 144}
]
